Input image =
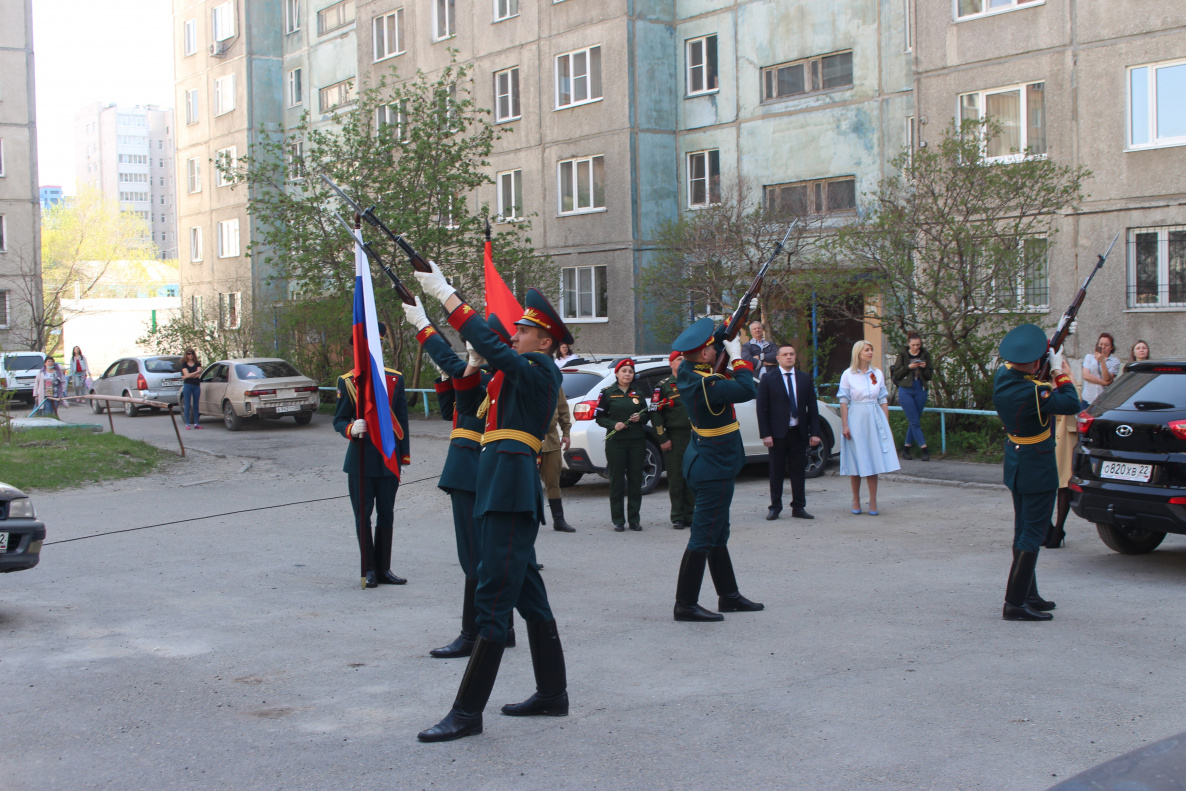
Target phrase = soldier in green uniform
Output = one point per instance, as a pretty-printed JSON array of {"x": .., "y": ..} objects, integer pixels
[
  {"x": 377, "y": 486},
  {"x": 622, "y": 412},
  {"x": 1027, "y": 407},
  {"x": 714, "y": 458},
  {"x": 520, "y": 401},
  {"x": 674, "y": 430}
]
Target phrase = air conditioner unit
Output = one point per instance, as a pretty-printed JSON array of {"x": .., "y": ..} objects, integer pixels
[{"x": 219, "y": 48}]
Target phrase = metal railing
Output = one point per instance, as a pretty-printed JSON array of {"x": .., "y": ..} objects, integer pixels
[
  {"x": 425, "y": 391},
  {"x": 107, "y": 399},
  {"x": 943, "y": 413}
]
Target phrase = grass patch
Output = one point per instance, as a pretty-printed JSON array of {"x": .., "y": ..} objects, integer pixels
[
  {"x": 50, "y": 458},
  {"x": 977, "y": 438}
]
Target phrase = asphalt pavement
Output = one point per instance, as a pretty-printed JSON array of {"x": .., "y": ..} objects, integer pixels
[{"x": 204, "y": 628}]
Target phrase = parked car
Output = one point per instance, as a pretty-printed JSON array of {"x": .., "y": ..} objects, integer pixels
[
  {"x": 18, "y": 371},
  {"x": 20, "y": 532},
  {"x": 1129, "y": 476},
  {"x": 582, "y": 386},
  {"x": 155, "y": 377},
  {"x": 257, "y": 387}
]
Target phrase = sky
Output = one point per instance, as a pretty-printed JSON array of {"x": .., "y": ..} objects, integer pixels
[{"x": 88, "y": 51}]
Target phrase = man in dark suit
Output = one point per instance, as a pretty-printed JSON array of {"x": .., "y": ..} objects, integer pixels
[{"x": 788, "y": 422}]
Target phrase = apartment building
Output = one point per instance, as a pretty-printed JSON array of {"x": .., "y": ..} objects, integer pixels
[
  {"x": 20, "y": 209},
  {"x": 127, "y": 154},
  {"x": 1091, "y": 84}
]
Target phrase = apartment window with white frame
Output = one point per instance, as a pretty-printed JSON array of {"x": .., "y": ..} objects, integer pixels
[
  {"x": 228, "y": 238},
  {"x": 505, "y": 9},
  {"x": 510, "y": 195},
  {"x": 704, "y": 178},
  {"x": 1157, "y": 267},
  {"x": 195, "y": 244},
  {"x": 1023, "y": 285},
  {"x": 191, "y": 107},
  {"x": 1021, "y": 112},
  {"x": 582, "y": 185},
  {"x": 701, "y": 57},
  {"x": 811, "y": 75},
  {"x": 908, "y": 20},
  {"x": 296, "y": 93},
  {"x": 4, "y": 310},
  {"x": 197, "y": 308},
  {"x": 225, "y": 160},
  {"x": 444, "y": 24},
  {"x": 391, "y": 120},
  {"x": 223, "y": 17},
  {"x": 292, "y": 16},
  {"x": 294, "y": 155},
  {"x": 578, "y": 77},
  {"x": 189, "y": 35},
  {"x": 336, "y": 16},
  {"x": 3, "y": 233},
  {"x": 389, "y": 35},
  {"x": 1157, "y": 105},
  {"x": 506, "y": 94},
  {"x": 229, "y": 306},
  {"x": 584, "y": 293},
  {"x": 334, "y": 96},
  {"x": 2, "y": 173},
  {"x": 224, "y": 94},
  {"x": 967, "y": 9}
]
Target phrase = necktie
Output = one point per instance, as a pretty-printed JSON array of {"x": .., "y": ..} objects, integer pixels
[{"x": 791, "y": 395}]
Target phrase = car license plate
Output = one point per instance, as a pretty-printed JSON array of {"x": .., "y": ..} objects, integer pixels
[
  {"x": 288, "y": 408},
  {"x": 1120, "y": 471},
  {"x": 170, "y": 383},
  {"x": 3, "y": 542}
]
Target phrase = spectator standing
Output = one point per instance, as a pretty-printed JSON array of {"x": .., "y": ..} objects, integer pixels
[
  {"x": 1139, "y": 353},
  {"x": 80, "y": 372},
  {"x": 48, "y": 389},
  {"x": 1099, "y": 368},
  {"x": 191, "y": 372},
  {"x": 1066, "y": 437},
  {"x": 788, "y": 423},
  {"x": 911, "y": 372},
  {"x": 556, "y": 441},
  {"x": 867, "y": 447},
  {"x": 566, "y": 356},
  {"x": 761, "y": 353}
]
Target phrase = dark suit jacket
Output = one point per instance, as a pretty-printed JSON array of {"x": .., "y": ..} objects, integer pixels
[{"x": 774, "y": 407}]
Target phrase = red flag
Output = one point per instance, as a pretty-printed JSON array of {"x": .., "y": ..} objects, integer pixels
[{"x": 499, "y": 299}]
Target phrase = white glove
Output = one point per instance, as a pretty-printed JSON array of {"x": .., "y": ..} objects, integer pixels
[
  {"x": 753, "y": 305},
  {"x": 733, "y": 348},
  {"x": 434, "y": 283},
  {"x": 415, "y": 315},
  {"x": 475, "y": 360},
  {"x": 358, "y": 428}
]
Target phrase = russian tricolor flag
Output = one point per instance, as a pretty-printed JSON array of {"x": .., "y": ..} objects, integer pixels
[{"x": 369, "y": 374}]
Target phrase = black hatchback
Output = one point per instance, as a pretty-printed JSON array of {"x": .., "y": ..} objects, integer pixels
[{"x": 1130, "y": 467}]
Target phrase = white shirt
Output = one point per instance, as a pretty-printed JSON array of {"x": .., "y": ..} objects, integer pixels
[
  {"x": 857, "y": 387},
  {"x": 1091, "y": 365},
  {"x": 792, "y": 391}
]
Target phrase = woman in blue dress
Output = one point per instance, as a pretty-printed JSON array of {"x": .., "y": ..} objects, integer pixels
[{"x": 867, "y": 445}]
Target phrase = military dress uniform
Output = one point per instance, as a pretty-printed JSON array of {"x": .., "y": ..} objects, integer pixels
[
  {"x": 1027, "y": 408},
  {"x": 714, "y": 457},
  {"x": 377, "y": 486},
  {"x": 551, "y": 462},
  {"x": 672, "y": 425},
  {"x": 519, "y": 404},
  {"x": 625, "y": 450}
]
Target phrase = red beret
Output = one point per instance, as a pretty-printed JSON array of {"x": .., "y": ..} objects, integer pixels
[
  {"x": 673, "y": 355},
  {"x": 622, "y": 362}
]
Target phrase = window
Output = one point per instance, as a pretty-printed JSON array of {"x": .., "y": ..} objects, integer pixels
[
  {"x": 195, "y": 244},
  {"x": 224, "y": 94},
  {"x": 505, "y": 9},
  {"x": 1033, "y": 284},
  {"x": 584, "y": 292},
  {"x": 197, "y": 309},
  {"x": 225, "y": 160},
  {"x": 506, "y": 94},
  {"x": 294, "y": 156},
  {"x": 578, "y": 77},
  {"x": 228, "y": 311},
  {"x": 292, "y": 16},
  {"x": 1157, "y": 105},
  {"x": 295, "y": 91},
  {"x": 582, "y": 185},
  {"x": 443, "y": 25},
  {"x": 701, "y": 56},
  {"x": 193, "y": 175},
  {"x": 336, "y": 95},
  {"x": 1157, "y": 267},
  {"x": 510, "y": 195},
  {"x": 189, "y": 35},
  {"x": 335, "y": 16},
  {"x": 1022, "y": 286},
  {"x": 134, "y": 197},
  {"x": 135, "y": 159},
  {"x": 804, "y": 198},
  {"x": 3, "y": 310},
  {"x": 3, "y": 233},
  {"x": 1021, "y": 112},
  {"x": 973, "y": 8},
  {"x": 807, "y": 76},
  {"x": 394, "y": 117},
  {"x": 228, "y": 238},
  {"x": 133, "y": 178},
  {"x": 907, "y": 20},
  {"x": 224, "y": 21},
  {"x": 389, "y": 34},
  {"x": 704, "y": 178},
  {"x": 191, "y": 107},
  {"x": 1, "y": 156}
]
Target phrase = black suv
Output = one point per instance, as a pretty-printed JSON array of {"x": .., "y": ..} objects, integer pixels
[{"x": 1130, "y": 467}]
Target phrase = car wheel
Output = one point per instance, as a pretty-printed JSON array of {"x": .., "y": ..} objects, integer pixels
[
  {"x": 1129, "y": 540},
  {"x": 98, "y": 407},
  {"x": 817, "y": 458},
  {"x": 570, "y": 478},
  {"x": 232, "y": 421},
  {"x": 652, "y": 468},
  {"x": 303, "y": 419},
  {"x": 130, "y": 409}
]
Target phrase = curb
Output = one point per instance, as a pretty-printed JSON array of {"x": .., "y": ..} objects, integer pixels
[{"x": 937, "y": 482}]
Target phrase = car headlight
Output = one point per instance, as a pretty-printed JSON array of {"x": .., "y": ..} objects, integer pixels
[{"x": 21, "y": 508}]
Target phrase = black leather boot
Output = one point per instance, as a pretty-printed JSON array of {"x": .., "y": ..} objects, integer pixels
[
  {"x": 551, "y": 683},
  {"x": 370, "y": 579},
  {"x": 720, "y": 565},
  {"x": 687, "y": 589},
  {"x": 1021, "y": 578},
  {"x": 558, "y": 522},
  {"x": 464, "y": 644},
  {"x": 465, "y": 718},
  {"x": 1035, "y": 600}
]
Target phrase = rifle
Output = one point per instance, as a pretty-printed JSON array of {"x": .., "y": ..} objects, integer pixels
[
  {"x": 729, "y": 330},
  {"x": 418, "y": 262},
  {"x": 651, "y": 407},
  {"x": 1064, "y": 324}
]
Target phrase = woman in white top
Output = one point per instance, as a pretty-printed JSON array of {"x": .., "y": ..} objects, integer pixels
[
  {"x": 566, "y": 356},
  {"x": 1100, "y": 367},
  {"x": 867, "y": 446}
]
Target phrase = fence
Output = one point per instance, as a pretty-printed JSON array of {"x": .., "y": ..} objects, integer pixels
[
  {"x": 424, "y": 400},
  {"x": 943, "y": 413}
]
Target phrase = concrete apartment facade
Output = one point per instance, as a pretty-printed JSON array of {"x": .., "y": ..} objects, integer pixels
[
  {"x": 1094, "y": 85},
  {"x": 127, "y": 154},
  {"x": 20, "y": 208}
]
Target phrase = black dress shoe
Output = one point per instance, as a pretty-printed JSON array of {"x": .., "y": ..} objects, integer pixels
[
  {"x": 462, "y": 646},
  {"x": 370, "y": 580},
  {"x": 388, "y": 578},
  {"x": 801, "y": 513},
  {"x": 738, "y": 603},
  {"x": 619, "y": 528},
  {"x": 536, "y": 705},
  {"x": 694, "y": 612},
  {"x": 680, "y": 525},
  {"x": 635, "y": 526},
  {"x": 772, "y": 513},
  {"x": 1024, "y": 613}
]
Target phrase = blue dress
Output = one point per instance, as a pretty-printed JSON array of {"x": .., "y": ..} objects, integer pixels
[{"x": 871, "y": 450}]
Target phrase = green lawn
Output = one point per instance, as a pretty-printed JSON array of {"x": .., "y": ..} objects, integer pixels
[
  {"x": 50, "y": 458},
  {"x": 969, "y": 437}
]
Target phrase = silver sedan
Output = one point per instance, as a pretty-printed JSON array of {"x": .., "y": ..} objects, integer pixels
[
  {"x": 256, "y": 387},
  {"x": 155, "y": 377}
]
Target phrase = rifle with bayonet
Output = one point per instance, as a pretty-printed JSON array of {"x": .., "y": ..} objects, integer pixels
[
  {"x": 368, "y": 214},
  {"x": 729, "y": 330},
  {"x": 404, "y": 294},
  {"x": 1064, "y": 324}
]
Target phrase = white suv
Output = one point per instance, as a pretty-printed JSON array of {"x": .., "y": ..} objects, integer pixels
[
  {"x": 583, "y": 384},
  {"x": 18, "y": 371}
]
